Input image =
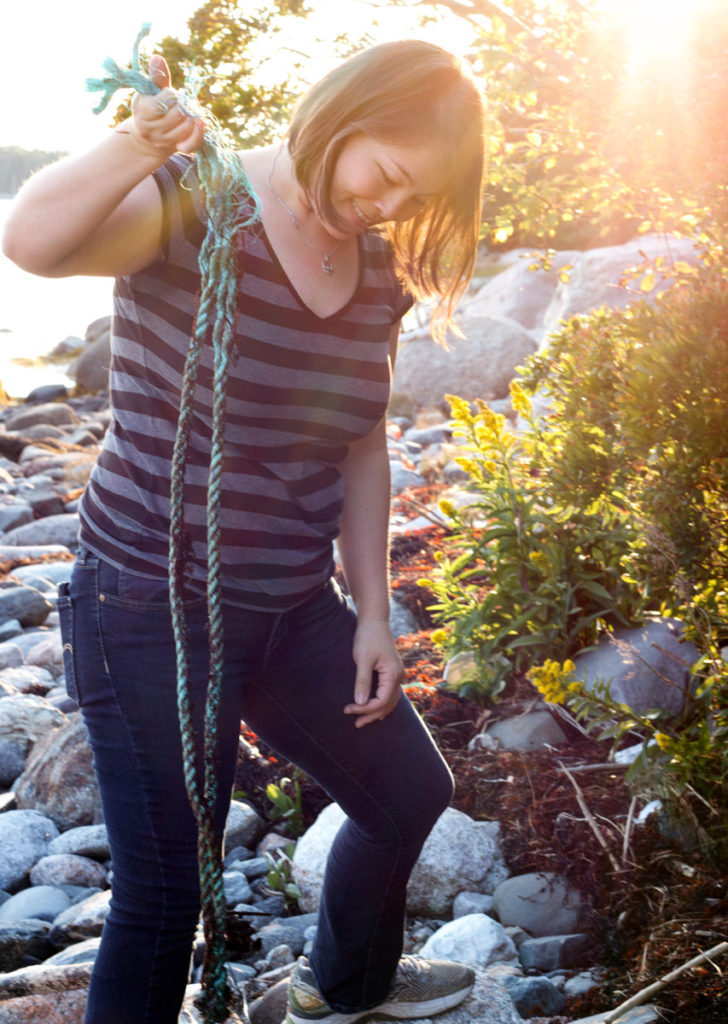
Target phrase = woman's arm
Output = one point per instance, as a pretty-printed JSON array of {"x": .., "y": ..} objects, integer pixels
[
  {"x": 101, "y": 213},
  {"x": 364, "y": 549}
]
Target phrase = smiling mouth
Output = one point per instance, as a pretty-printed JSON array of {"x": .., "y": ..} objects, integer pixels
[{"x": 360, "y": 216}]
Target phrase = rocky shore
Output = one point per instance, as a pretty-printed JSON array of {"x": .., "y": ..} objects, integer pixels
[{"x": 527, "y": 934}]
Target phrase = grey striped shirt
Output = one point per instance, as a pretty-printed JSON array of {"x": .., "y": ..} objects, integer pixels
[{"x": 301, "y": 389}]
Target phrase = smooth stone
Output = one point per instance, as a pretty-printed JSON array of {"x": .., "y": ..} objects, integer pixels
[
  {"x": 54, "y": 392},
  {"x": 27, "y": 605},
  {"x": 68, "y": 869},
  {"x": 542, "y": 903},
  {"x": 237, "y": 888},
  {"x": 81, "y": 921},
  {"x": 52, "y": 531},
  {"x": 552, "y": 952},
  {"x": 54, "y": 413},
  {"x": 472, "y": 903},
  {"x": 244, "y": 825},
  {"x": 24, "y": 838},
  {"x": 77, "y": 953},
  {"x": 84, "y": 840},
  {"x": 42, "y": 902},
  {"x": 532, "y": 730},
  {"x": 17, "y": 514},
  {"x": 472, "y": 939}
]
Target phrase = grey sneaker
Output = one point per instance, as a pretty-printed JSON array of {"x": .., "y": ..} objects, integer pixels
[{"x": 420, "y": 988}]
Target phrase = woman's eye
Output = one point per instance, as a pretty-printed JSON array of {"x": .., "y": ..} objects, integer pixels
[{"x": 386, "y": 178}]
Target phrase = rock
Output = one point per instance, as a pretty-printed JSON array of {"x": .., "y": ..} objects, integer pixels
[
  {"x": 84, "y": 841},
  {"x": 288, "y": 930},
  {"x": 54, "y": 392},
  {"x": 473, "y": 939},
  {"x": 68, "y": 869},
  {"x": 46, "y": 654},
  {"x": 594, "y": 279},
  {"x": 401, "y": 620},
  {"x": 23, "y": 719},
  {"x": 41, "y": 902},
  {"x": 542, "y": 903},
  {"x": 15, "y": 513},
  {"x": 77, "y": 953},
  {"x": 81, "y": 921},
  {"x": 21, "y": 941},
  {"x": 59, "y": 778},
  {"x": 532, "y": 730},
  {"x": 531, "y": 995},
  {"x": 244, "y": 825},
  {"x": 551, "y": 952},
  {"x": 33, "y": 552},
  {"x": 52, "y": 413},
  {"x": 402, "y": 477},
  {"x": 521, "y": 294},
  {"x": 459, "y": 853},
  {"x": 65, "y": 1007},
  {"x": 270, "y": 1008},
  {"x": 648, "y": 667},
  {"x": 43, "y": 577},
  {"x": 480, "y": 365},
  {"x": 471, "y": 903},
  {"x": 237, "y": 888},
  {"x": 27, "y": 678},
  {"x": 24, "y": 839},
  {"x": 54, "y": 530},
  {"x": 90, "y": 369},
  {"x": 26, "y": 604}
]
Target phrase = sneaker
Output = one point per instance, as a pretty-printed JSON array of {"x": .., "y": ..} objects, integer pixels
[{"x": 420, "y": 988}]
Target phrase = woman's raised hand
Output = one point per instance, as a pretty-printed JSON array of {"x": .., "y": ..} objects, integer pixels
[{"x": 159, "y": 123}]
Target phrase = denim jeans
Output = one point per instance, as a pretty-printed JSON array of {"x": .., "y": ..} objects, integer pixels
[{"x": 288, "y": 675}]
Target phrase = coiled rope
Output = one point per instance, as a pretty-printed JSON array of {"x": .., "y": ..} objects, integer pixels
[{"x": 224, "y": 183}]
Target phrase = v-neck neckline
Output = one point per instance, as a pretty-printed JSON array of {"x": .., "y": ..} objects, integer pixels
[{"x": 263, "y": 234}]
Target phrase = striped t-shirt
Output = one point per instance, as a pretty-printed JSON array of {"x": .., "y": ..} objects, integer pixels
[{"x": 301, "y": 388}]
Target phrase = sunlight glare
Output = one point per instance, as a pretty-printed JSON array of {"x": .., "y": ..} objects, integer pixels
[{"x": 657, "y": 29}]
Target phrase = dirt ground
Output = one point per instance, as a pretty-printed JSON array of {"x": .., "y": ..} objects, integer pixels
[{"x": 653, "y": 906}]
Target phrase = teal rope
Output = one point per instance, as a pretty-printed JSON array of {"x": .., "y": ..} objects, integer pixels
[{"x": 224, "y": 183}]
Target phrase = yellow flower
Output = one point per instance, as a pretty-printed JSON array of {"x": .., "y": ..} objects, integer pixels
[
  {"x": 663, "y": 741},
  {"x": 438, "y": 637},
  {"x": 519, "y": 399},
  {"x": 447, "y": 508}
]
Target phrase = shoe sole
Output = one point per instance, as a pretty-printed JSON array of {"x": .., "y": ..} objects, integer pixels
[{"x": 388, "y": 1011}]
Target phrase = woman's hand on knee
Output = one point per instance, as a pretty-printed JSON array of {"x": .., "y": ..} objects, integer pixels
[
  {"x": 379, "y": 674},
  {"x": 159, "y": 123}
]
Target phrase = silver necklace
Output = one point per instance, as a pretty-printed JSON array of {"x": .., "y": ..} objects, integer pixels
[{"x": 326, "y": 265}]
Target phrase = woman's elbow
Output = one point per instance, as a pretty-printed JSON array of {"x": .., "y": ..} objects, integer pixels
[{"x": 21, "y": 246}]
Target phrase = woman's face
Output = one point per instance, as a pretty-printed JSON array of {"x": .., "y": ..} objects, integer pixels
[{"x": 375, "y": 181}]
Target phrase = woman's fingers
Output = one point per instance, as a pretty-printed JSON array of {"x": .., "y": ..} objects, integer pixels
[
  {"x": 160, "y": 122},
  {"x": 159, "y": 70}
]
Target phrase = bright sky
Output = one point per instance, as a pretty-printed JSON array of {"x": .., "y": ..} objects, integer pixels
[{"x": 49, "y": 47}]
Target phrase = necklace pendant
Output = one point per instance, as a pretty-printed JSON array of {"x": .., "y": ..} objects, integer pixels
[{"x": 326, "y": 265}]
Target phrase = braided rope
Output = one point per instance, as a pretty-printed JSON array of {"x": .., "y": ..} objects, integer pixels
[{"x": 224, "y": 182}]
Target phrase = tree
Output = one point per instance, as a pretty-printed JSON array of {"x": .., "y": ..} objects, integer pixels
[
  {"x": 229, "y": 54},
  {"x": 586, "y": 142}
]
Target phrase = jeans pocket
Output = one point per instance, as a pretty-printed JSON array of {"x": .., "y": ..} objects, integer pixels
[{"x": 65, "y": 614}]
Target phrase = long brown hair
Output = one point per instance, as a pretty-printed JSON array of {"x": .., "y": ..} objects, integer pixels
[{"x": 406, "y": 92}]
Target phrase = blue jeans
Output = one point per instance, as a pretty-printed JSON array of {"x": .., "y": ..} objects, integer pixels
[{"x": 288, "y": 676}]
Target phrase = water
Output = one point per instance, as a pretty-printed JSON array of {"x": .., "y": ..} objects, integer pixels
[{"x": 35, "y": 314}]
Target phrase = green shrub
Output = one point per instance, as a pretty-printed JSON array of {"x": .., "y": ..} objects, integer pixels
[
  {"x": 532, "y": 576},
  {"x": 614, "y": 502}
]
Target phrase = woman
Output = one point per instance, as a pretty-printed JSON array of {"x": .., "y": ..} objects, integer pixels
[{"x": 372, "y": 198}]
